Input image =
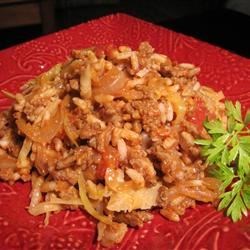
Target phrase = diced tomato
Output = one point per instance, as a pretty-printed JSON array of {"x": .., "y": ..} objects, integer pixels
[
  {"x": 198, "y": 115},
  {"x": 110, "y": 159}
]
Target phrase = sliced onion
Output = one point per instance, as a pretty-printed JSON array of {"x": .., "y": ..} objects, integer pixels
[
  {"x": 22, "y": 157},
  {"x": 42, "y": 134},
  {"x": 6, "y": 161},
  {"x": 178, "y": 105},
  {"x": 112, "y": 82}
]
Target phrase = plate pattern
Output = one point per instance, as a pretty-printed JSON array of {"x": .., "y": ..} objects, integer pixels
[{"x": 201, "y": 228}]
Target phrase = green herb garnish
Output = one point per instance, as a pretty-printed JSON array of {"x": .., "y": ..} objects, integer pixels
[{"x": 228, "y": 151}]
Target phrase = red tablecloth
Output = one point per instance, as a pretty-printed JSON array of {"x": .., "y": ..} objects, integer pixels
[{"x": 200, "y": 228}]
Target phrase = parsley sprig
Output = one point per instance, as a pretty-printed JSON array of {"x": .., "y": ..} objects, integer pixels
[{"x": 228, "y": 151}]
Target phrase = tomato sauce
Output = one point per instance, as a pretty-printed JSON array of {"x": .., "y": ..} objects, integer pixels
[
  {"x": 199, "y": 113},
  {"x": 110, "y": 159}
]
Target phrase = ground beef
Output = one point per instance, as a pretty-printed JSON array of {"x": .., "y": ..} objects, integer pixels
[{"x": 134, "y": 218}]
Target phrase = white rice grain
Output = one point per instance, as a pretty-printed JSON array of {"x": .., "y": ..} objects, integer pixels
[
  {"x": 134, "y": 61},
  {"x": 85, "y": 83},
  {"x": 122, "y": 149},
  {"x": 124, "y": 55},
  {"x": 142, "y": 72},
  {"x": 136, "y": 176},
  {"x": 163, "y": 112},
  {"x": 159, "y": 58},
  {"x": 187, "y": 65},
  {"x": 169, "y": 112}
]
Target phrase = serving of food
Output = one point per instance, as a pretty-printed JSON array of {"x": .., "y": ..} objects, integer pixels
[{"x": 120, "y": 132}]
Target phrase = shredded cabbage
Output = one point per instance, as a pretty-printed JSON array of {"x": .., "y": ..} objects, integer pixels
[
  {"x": 87, "y": 204},
  {"x": 58, "y": 201},
  {"x": 69, "y": 129},
  {"x": 129, "y": 200},
  {"x": 22, "y": 160}
]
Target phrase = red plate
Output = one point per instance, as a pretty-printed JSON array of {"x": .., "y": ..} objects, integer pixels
[{"x": 200, "y": 228}]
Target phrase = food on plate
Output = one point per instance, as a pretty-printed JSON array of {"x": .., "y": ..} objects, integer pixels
[{"x": 117, "y": 133}]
